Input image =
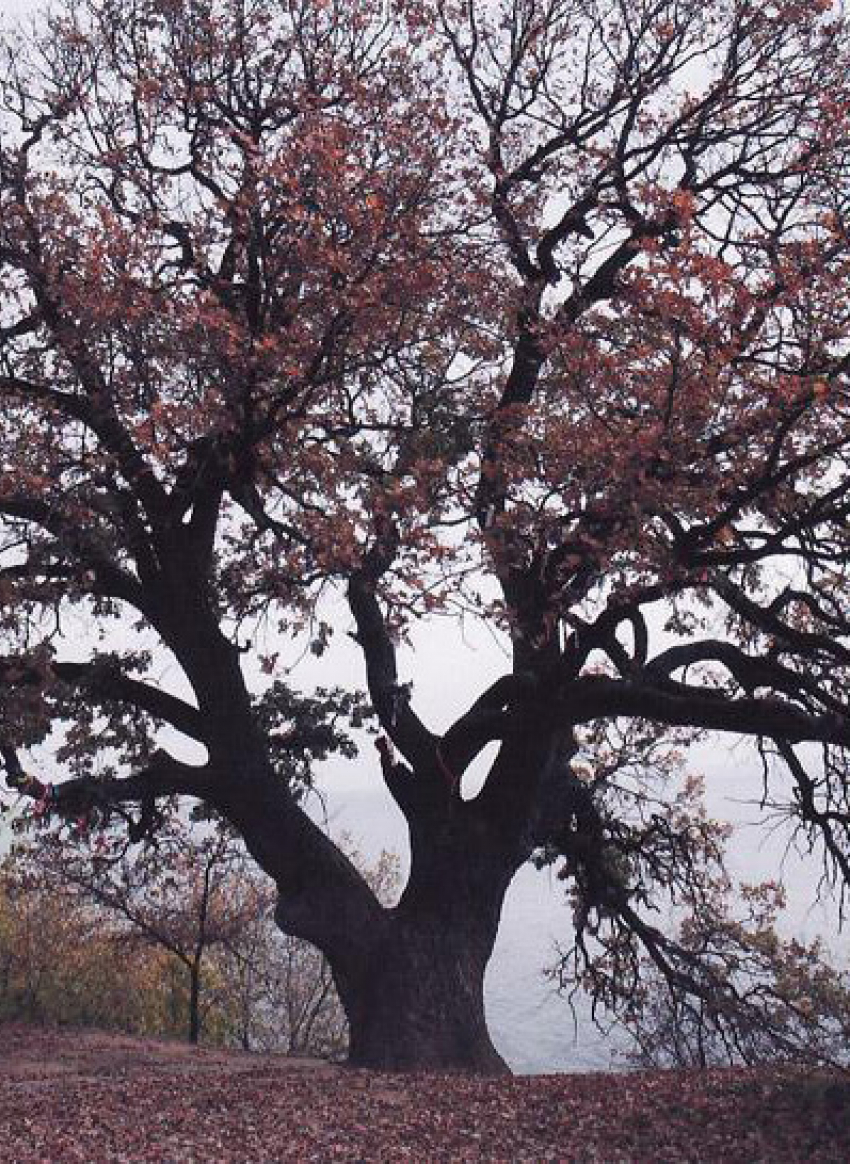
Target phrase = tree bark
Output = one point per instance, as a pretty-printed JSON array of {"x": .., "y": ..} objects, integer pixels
[
  {"x": 194, "y": 1002},
  {"x": 411, "y": 979},
  {"x": 417, "y": 1001},
  {"x": 422, "y": 1006}
]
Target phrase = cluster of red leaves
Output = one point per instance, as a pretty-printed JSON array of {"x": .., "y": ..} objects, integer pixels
[{"x": 67, "y": 1096}]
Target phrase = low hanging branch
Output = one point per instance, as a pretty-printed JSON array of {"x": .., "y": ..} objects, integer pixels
[{"x": 162, "y": 777}]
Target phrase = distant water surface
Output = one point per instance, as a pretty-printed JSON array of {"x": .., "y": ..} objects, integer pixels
[{"x": 533, "y": 1026}]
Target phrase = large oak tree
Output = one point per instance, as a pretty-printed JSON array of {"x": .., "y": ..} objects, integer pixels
[{"x": 535, "y": 309}]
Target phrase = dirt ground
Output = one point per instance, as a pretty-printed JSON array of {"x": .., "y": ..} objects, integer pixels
[{"x": 89, "y": 1096}]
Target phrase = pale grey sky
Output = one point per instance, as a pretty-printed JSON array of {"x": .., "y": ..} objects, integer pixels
[{"x": 9, "y": 9}]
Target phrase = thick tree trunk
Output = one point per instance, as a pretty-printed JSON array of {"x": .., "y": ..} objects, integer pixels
[
  {"x": 411, "y": 979},
  {"x": 421, "y": 1006}
]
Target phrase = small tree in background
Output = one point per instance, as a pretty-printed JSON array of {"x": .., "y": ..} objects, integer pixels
[
  {"x": 62, "y": 961},
  {"x": 191, "y": 911},
  {"x": 184, "y": 893}
]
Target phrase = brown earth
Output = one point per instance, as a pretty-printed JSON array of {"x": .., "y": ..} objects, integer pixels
[{"x": 89, "y": 1096}]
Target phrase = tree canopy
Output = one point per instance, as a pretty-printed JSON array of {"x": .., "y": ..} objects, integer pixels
[{"x": 533, "y": 310}]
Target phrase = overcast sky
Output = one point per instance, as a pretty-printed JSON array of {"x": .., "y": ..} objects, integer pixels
[{"x": 16, "y": 7}]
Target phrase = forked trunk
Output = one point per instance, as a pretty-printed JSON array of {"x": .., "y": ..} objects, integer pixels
[
  {"x": 410, "y": 978},
  {"x": 419, "y": 1005}
]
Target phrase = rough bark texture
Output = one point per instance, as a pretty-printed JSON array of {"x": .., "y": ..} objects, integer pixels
[
  {"x": 422, "y": 1006},
  {"x": 414, "y": 997}
]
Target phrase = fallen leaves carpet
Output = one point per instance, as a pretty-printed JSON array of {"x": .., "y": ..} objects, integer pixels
[{"x": 92, "y": 1097}]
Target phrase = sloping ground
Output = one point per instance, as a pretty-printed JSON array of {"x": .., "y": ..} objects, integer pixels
[{"x": 83, "y": 1096}]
